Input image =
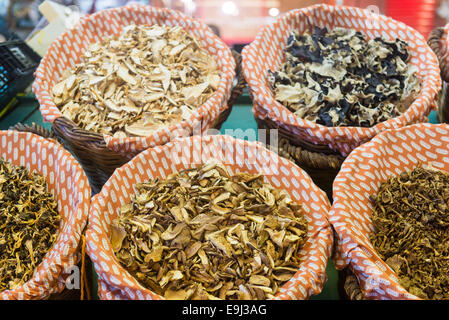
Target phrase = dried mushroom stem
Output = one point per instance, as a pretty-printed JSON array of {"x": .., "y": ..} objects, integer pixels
[
  {"x": 132, "y": 85},
  {"x": 203, "y": 233},
  {"x": 339, "y": 78},
  {"x": 411, "y": 230},
  {"x": 29, "y": 222}
]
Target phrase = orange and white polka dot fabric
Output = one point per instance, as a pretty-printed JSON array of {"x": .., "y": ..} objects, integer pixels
[
  {"x": 114, "y": 282},
  {"x": 364, "y": 170},
  {"x": 68, "y": 183},
  {"x": 266, "y": 52},
  {"x": 66, "y": 50}
]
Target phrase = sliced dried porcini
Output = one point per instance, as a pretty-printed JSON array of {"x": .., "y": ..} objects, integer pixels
[
  {"x": 172, "y": 232},
  {"x": 340, "y": 78},
  {"x": 118, "y": 234},
  {"x": 155, "y": 254},
  {"x": 193, "y": 249},
  {"x": 259, "y": 280},
  {"x": 178, "y": 294},
  {"x": 219, "y": 241},
  {"x": 171, "y": 276},
  {"x": 144, "y": 79},
  {"x": 204, "y": 233}
]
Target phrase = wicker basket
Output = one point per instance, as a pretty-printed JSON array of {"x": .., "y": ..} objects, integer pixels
[
  {"x": 97, "y": 160},
  {"x": 238, "y": 156},
  {"x": 363, "y": 274},
  {"x": 100, "y": 154},
  {"x": 439, "y": 46},
  {"x": 320, "y": 162},
  {"x": 348, "y": 286},
  {"x": 85, "y": 264},
  {"x": 319, "y": 149}
]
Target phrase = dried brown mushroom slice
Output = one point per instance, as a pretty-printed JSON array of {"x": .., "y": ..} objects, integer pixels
[
  {"x": 29, "y": 223},
  {"x": 411, "y": 219},
  {"x": 204, "y": 233},
  {"x": 146, "y": 78},
  {"x": 340, "y": 78}
]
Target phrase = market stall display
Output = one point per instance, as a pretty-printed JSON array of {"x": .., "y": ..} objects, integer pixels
[
  {"x": 389, "y": 215},
  {"x": 42, "y": 231},
  {"x": 131, "y": 195},
  {"x": 331, "y": 144},
  {"x": 101, "y": 153},
  {"x": 211, "y": 231}
]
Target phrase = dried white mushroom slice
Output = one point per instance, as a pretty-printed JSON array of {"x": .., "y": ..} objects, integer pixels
[
  {"x": 140, "y": 130},
  {"x": 144, "y": 79},
  {"x": 123, "y": 73},
  {"x": 192, "y": 93}
]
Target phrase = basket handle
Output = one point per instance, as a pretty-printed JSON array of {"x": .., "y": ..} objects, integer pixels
[
  {"x": 301, "y": 152},
  {"x": 308, "y": 158},
  {"x": 34, "y": 128},
  {"x": 352, "y": 286},
  {"x": 435, "y": 44}
]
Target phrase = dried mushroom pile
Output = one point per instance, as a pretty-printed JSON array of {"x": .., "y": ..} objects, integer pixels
[
  {"x": 411, "y": 221},
  {"x": 29, "y": 222},
  {"x": 132, "y": 85},
  {"x": 339, "y": 78},
  {"x": 205, "y": 234}
]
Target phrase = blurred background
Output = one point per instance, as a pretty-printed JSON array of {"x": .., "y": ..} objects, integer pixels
[{"x": 236, "y": 21}]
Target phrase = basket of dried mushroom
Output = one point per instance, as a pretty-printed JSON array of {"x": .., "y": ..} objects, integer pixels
[
  {"x": 129, "y": 78},
  {"x": 331, "y": 78},
  {"x": 44, "y": 206},
  {"x": 209, "y": 217},
  {"x": 438, "y": 41},
  {"x": 390, "y": 215}
]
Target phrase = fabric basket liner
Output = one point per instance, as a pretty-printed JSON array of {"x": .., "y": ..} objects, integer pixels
[
  {"x": 266, "y": 52},
  {"x": 68, "y": 183},
  {"x": 66, "y": 50},
  {"x": 237, "y": 155},
  {"x": 367, "y": 167}
]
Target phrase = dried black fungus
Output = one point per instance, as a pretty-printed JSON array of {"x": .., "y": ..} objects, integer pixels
[{"x": 340, "y": 78}]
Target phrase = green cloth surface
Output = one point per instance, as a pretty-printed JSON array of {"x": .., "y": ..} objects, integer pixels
[
  {"x": 241, "y": 117},
  {"x": 26, "y": 111}
]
